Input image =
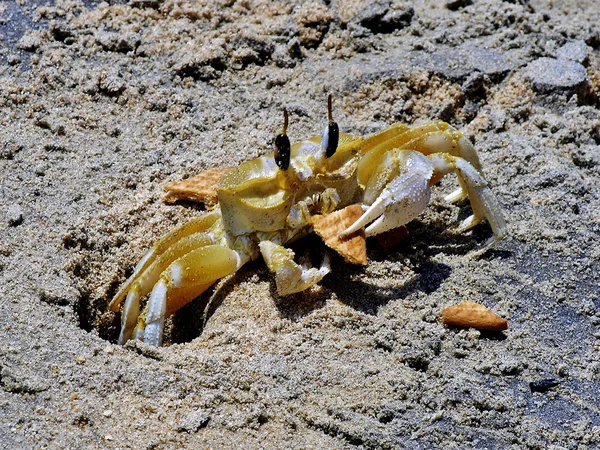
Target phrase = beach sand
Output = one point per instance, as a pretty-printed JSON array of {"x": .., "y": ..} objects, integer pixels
[{"x": 102, "y": 104}]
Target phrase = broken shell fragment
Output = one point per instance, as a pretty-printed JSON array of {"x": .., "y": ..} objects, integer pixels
[
  {"x": 201, "y": 188},
  {"x": 470, "y": 314},
  {"x": 353, "y": 247}
]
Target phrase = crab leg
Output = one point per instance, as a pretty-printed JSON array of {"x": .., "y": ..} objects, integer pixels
[
  {"x": 181, "y": 282},
  {"x": 194, "y": 226},
  {"x": 191, "y": 235},
  {"x": 147, "y": 279},
  {"x": 483, "y": 201},
  {"x": 289, "y": 276},
  {"x": 430, "y": 138},
  {"x": 466, "y": 152}
]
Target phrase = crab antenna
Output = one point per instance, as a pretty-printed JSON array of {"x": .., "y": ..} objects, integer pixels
[
  {"x": 331, "y": 134},
  {"x": 286, "y": 121},
  {"x": 282, "y": 145}
]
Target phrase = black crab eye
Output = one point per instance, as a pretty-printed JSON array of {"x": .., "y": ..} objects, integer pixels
[
  {"x": 331, "y": 134},
  {"x": 282, "y": 145}
]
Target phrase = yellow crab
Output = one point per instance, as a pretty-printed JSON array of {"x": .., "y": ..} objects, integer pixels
[{"x": 268, "y": 201}]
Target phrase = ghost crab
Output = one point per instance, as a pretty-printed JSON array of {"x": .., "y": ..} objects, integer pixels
[{"x": 267, "y": 202}]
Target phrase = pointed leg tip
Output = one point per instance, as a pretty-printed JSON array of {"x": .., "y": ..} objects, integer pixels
[
  {"x": 466, "y": 224},
  {"x": 153, "y": 333},
  {"x": 325, "y": 265},
  {"x": 483, "y": 249}
]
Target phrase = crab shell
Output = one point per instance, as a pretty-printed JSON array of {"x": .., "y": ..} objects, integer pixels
[{"x": 258, "y": 196}]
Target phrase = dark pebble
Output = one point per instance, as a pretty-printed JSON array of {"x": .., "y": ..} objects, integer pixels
[{"x": 543, "y": 385}]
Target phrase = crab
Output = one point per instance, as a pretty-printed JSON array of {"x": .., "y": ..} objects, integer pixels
[{"x": 270, "y": 201}]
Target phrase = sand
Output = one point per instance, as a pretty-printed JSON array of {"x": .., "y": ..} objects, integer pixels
[{"x": 102, "y": 104}]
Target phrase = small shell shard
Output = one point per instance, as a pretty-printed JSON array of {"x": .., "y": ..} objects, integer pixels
[
  {"x": 353, "y": 247},
  {"x": 201, "y": 188},
  {"x": 470, "y": 314}
]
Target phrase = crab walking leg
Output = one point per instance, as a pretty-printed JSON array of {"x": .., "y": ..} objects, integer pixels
[
  {"x": 147, "y": 279},
  {"x": 289, "y": 276},
  {"x": 150, "y": 329},
  {"x": 405, "y": 138},
  {"x": 483, "y": 201},
  {"x": 129, "y": 317},
  {"x": 383, "y": 136},
  {"x": 468, "y": 153},
  {"x": 181, "y": 282},
  {"x": 196, "y": 225}
]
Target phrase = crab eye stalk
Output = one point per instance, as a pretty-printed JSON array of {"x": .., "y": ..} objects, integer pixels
[
  {"x": 282, "y": 145},
  {"x": 331, "y": 134}
]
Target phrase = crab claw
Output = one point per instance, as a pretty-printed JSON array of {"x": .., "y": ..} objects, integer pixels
[
  {"x": 402, "y": 199},
  {"x": 398, "y": 190},
  {"x": 289, "y": 276}
]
